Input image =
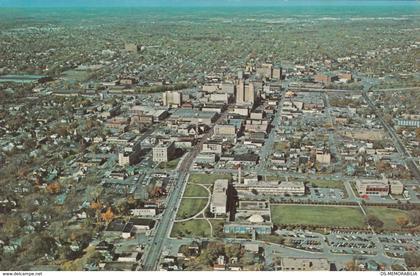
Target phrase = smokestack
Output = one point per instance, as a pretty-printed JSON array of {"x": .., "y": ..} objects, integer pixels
[{"x": 239, "y": 174}]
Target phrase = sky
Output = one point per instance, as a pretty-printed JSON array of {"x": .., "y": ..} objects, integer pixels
[{"x": 181, "y": 3}]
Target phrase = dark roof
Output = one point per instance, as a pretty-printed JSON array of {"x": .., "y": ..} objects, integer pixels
[
  {"x": 116, "y": 226},
  {"x": 140, "y": 221},
  {"x": 246, "y": 157},
  {"x": 128, "y": 227}
]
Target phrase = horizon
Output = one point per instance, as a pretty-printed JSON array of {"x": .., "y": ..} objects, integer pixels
[{"x": 196, "y": 3}]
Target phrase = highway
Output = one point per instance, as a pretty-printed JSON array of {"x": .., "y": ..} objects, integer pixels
[{"x": 152, "y": 255}]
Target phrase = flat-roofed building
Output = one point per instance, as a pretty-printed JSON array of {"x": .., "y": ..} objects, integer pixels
[
  {"x": 218, "y": 204},
  {"x": 323, "y": 157},
  {"x": 304, "y": 264},
  {"x": 265, "y": 71},
  {"x": 193, "y": 116},
  {"x": 251, "y": 217},
  {"x": 170, "y": 98},
  {"x": 205, "y": 158},
  {"x": 397, "y": 188},
  {"x": 245, "y": 93},
  {"x": 296, "y": 188},
  {"x": 372, "y": 187},
  {"x": 163, "y": 152},
  {"x": 225, "y": 130},
  {"x": 212, "y": 147}
]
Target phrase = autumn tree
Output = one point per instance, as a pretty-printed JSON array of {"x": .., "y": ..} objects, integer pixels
[
  {"x": 401, "y": 221},
  {"x": 108, "y": 215},
  {"x": 54, "y": 188},
  {"x": 351, "y": 265}
]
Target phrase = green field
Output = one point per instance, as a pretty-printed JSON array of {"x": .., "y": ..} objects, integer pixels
[
  {"x": 190, "y": 207},
  {"x": 208, "y": 179},
  {"x": 195, "y": 191},
  {"x": 324, "y": 183},
  {"x": 318, "y": 215},
  {"x": 217, "y": 227},
  {"x": 169, "y": 165},
  {"x": 387, "y": 215},
  {"x": 191, "y": 228}
]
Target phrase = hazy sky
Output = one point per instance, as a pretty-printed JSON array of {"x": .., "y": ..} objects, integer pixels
[{"x": 89, "y": 3}]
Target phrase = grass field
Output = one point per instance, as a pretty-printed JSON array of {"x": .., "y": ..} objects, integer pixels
[
  {"x": 169, "y": 165},
  {"x": 275, "y": 178},
  {"x": 190, "y": 207},
  {"x": 191, "y": 228},
  {"x": 387, "y": 215},
  {"x": 217, "y": 227},
  {"x": 318, "y": 215},
  {"x": 195, "y": 190},
  {"x": 208, "y": 179},
  {"x": 324, "y": 183}
]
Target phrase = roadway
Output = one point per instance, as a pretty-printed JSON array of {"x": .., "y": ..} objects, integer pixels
[{"x": 154, "y": 251}]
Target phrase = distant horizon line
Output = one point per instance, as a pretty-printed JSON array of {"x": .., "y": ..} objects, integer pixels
[{"x": 201, "y": 4}]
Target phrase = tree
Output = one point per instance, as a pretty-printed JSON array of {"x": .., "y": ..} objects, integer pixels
[
  {"x": 108, "y": 215},
  {"x": 383, "y": 166},
  {"x": 12, "y": 226},
  {"x": 351, "y": 265},
  {"x": 418, "y": 134},
  {"x": 374, "y": 221},
  {"x": 412, "y": 259},
  {"x": 414, "y": 216},
  {"x": 54, "y": 188},
  {"x": 401, "y": 221},
  {"x": 41, "y": 245},
  {"x": 233, "y": 250}
]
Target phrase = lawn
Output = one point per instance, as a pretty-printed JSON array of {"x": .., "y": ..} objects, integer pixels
[
  {"x": 190, "y": 207},
  {"x": 195, "y": 191},
  {"x": 191, "y": 228},
  {"x": 387, "y": 215},
  {"x": 324, "y": 183},
  {"x": 275, "y": 178},
  {"x": 217, "y": 227},
  {"x": 208, "y": 179},
  {"x": 318, "y": 215},
  {"x": 169, "y": 165}
]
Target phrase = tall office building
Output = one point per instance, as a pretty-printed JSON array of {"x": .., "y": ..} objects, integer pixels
[
  {"x": 245, "y": 93},
  {"x": 170, "y": 98}
]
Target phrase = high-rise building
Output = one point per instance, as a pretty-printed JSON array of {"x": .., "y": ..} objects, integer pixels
[
  {"x": 245, "y": 93},
  {"x": 170, "y": 98}
]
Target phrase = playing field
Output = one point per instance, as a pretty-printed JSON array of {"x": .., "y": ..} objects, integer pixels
[
  {"x": 387, "y": 215},
  {"x": 190, "y": 207},
  {"x": 191, "y": 228},
  {"x": 318, "y": 215},
  {"x": 195, "y": 191}
]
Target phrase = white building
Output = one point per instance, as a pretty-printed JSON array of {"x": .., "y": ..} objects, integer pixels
[{"x": 219, "y": 197}]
